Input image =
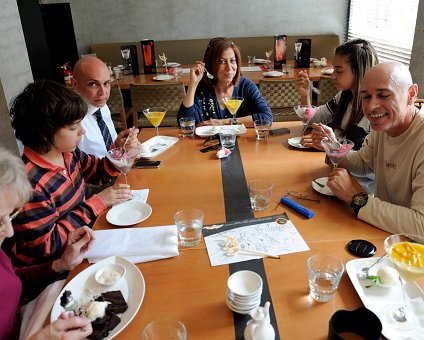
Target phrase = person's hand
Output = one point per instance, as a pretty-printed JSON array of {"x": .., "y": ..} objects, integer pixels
[
  {"x": 132, "y": 143},
  {"x": 79, "y": 242},
  {"x": 115, "y": 194},
  {"x": 303, "y": 84},
  {"x": 306, "y": 140},
  {"x": 344, "y": 185},
  {"x": 318, "y": 133},
  {"x": 66, "y": 327},
  {"x": 196, "y": 73}
]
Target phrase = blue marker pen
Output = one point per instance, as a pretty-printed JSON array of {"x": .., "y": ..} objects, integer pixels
[{"x": 297, "y": 207}]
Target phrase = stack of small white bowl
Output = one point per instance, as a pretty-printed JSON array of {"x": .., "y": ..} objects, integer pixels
[{"x": 244, "y": 290}]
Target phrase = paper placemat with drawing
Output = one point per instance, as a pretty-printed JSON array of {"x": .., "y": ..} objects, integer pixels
[{"x": 252, "y": 239}]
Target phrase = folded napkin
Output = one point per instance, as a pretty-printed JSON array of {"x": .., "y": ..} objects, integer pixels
[
  {"x": 135, "y": 244},
  {"x": 251, "y": 68},
  {"x": 138, "y": 195}
]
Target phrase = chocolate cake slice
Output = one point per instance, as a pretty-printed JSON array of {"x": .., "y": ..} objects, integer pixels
[
  {"x": 117, "y": 302},
  {"x": 103, "y": 326}
]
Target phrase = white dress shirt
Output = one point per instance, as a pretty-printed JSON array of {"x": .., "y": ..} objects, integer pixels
[{"x": 92, "y": 142}]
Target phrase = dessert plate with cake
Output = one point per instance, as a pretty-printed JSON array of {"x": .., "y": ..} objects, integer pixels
[{"x": 114, "y": 305}]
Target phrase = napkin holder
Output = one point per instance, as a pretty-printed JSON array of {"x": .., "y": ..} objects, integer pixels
[
  {"x": 280, "y": 48},
  {"x": 302, "y": 55},
  {"x": 148, "y": 50},
  {"x": 129, "y": 59}
]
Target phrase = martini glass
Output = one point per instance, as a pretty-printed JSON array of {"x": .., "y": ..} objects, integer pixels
[
  {"x": 336, "y": 150},
  {"x": 155, "y": 116},
  {"x": 233, "y": 105},
  {"x": 407, "y": 254},
  {"x": 122, "y": 160},
  {"x": 305, "y": 114}
]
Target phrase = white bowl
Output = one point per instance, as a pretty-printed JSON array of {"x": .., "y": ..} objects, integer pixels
[
  {"x": 245, "y": 283},
  {"x": 389, "y": 276},
  {"x": 110, "y": 274}
]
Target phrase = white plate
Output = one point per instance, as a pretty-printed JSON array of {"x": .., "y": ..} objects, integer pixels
[
  {"x": 273, "y": 74},
  {"x": 156, "y": 146},
  {"x": 128, "y": 213},
  {"x": 295, "y": 142},
  {"x": 260, "y": 61},
  {"x": 132, "y": 287},
  {"x": 377, "y": 298},
  {"x": 207, "y": 131},
  {"x": 163, "y": 77},
  {"x": 171, "y": 64},
  {"x": 322, "y": 190}
]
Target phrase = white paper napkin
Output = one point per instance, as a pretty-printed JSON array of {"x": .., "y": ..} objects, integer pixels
[
  {"x": 135, "y": 244},
  {"x": 138, "y": 195},
  {"x": 250, "y": 68}
]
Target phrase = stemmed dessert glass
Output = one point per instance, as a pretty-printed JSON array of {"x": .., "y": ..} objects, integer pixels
[
  {"x": 233, "y": 105},
  {"x": 155, "y": 116},
  {"x": 122, "y": 159},
  {"x": 305, "y": 114},
  {"x": 268, "y": 54},
  {"x": 407, "y": 254},
  {"x": 337, "y": 149}
]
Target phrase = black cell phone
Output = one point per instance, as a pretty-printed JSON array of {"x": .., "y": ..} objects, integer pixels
[
  {"x": 280, "y": 131},
  {"x": 141, "y": 163}
]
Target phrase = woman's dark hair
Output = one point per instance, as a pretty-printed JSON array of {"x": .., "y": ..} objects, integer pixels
[
  {"x": 212, "y": 58},
  {"x": 361, "y": 56},
  {"x": 41, "y": 110}
]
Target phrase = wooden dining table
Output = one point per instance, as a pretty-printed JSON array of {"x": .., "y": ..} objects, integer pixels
[
  {"x": 314, "y": 74},
  {"x": 188, "y": 288}
]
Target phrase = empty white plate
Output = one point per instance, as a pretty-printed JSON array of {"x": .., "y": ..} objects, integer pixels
[
  {"x": 128, "y": 213},
  {"x": 163, "y": 77}
]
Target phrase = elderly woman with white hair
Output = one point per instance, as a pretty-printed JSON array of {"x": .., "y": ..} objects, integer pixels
[{"x": 15, "y": 190}]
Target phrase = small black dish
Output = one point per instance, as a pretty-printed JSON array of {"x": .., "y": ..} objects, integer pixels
[{"x": 361, "y": 248}]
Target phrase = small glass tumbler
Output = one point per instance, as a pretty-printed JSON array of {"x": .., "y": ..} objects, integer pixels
[
  {"x": 262, "y": 127},
  {"x": 187, "y": 125},
  {"x": 164, "y": 329},
  {"x": 325, "y": 272},
  {"x": 260, "y": 191},
  {"x": 189, "y": 223}
]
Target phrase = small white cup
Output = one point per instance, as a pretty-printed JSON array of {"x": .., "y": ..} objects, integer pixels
[{"x": 227, "y": 138}]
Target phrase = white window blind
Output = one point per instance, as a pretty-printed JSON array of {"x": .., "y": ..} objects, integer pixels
[{"x": 388, "y": 24}]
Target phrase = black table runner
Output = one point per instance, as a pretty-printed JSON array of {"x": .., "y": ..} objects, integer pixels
[{"x": 237, "y": 207}]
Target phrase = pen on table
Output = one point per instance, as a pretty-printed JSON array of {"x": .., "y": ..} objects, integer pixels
[{"x": 297, "y": 207}]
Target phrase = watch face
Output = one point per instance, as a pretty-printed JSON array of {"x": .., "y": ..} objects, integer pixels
[{"x": 360, "y": 199}]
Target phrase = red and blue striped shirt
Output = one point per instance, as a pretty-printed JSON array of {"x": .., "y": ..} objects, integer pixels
[{"x": 58, "y": 204}]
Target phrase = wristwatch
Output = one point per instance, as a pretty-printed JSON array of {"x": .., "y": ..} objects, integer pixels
[{"x": 358, "y": 201}]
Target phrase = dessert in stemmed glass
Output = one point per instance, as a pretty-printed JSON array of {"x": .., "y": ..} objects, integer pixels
[
  {"x": 305, "y": 114},
  {"x": 233, "y": 104},
  {"x": 407, "y": 254},
  {"x": 336, "y": 149},
  {"x": 155, "y": 116},
  {"x": 122, "y": 159}
]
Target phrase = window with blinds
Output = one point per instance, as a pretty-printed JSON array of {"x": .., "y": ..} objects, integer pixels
[{"x": 388, "y": 24}]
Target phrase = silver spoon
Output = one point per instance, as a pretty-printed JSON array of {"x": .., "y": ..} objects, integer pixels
[
  {"x": 124, "y": 151},
  {"x": 364, "y": 271},
  {"x": 334, "y": 143},
  {"x": 210, "y": 76}
]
